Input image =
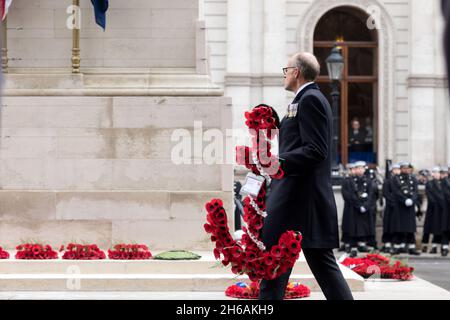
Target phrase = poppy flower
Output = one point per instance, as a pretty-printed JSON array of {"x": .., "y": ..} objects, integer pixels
[
  {"x": 208, "y": 228},
  {"x": 276, "y": 251}
]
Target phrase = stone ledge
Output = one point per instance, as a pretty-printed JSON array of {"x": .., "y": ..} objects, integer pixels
[
  {"x": 110, "y": 84},
  {"x": 146, "y": 275},
  {"x": 149, "y": 282},
  {"x": 254, "y": 80},
  {"x": 427, "y": 81},
  {"x": 176, "y": 92}
]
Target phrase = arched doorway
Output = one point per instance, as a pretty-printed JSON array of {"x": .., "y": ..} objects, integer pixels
[{"x": 359, "y": 86}]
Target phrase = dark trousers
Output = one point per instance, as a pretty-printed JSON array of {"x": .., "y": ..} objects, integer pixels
[
  {"x": 437, "y": 239},
  {"x": 404, "y": 237},
  {"x": 324, "y": 268},
  {"x": 345, "y": 238},
  {"x": 372, "y": 242},
  {"x": 445, "y": 238},
  {"x": 354, "y": 241},
  {"x": 387, "y": 237}
]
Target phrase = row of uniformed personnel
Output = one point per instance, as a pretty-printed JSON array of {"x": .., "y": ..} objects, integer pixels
[
  {"x": 437, "y": 218},
  {"x": 403, "y": 203},
  {"x": 359, "y": 190}
]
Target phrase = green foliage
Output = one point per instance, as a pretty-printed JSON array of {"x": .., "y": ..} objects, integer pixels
[{"x": 177, "y": 255}]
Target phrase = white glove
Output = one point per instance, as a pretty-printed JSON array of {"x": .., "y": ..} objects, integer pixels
[
  {"x": 237, "y": 236},
  {"x": 408, "y": 202},
  {"x": 362, "y": 209}
]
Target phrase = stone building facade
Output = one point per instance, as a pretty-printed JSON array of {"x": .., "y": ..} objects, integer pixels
[
  {"x": 250, "y": 41},
  {"x": 87, "y": 157}
]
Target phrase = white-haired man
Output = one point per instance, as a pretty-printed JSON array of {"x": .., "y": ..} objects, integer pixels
[{"x": 303, "y": 199}]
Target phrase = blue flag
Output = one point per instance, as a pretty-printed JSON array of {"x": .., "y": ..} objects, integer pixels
[{"x": 100, "y": 8}]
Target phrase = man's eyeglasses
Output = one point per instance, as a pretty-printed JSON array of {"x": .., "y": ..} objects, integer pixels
[{"x": 285, "y": 69}]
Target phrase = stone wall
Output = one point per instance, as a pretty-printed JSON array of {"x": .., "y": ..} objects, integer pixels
[
  {"x": 99, "y": 169},
  {"x": 139, "y": 33},
  {"x": 87, "y": 157}
]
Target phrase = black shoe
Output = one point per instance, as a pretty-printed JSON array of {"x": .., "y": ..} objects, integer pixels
[
  {"x": 444, "y": 252},
  {"x": 424, "y": 249},
  {"x": 342, "y": 248},
  {"x": 363, "y": 249},
  {"x": 386, "y": 249},
  {"x": 373, "y": 250},
  {"x": 348, "y": 249},
  {"x": 353, "y": 253},
  {"x": 433, "y": 250},
  {"x": 394, "y": 251},
  {"x": 402, "y": 250},
  {"x": 413, "y": 252}
]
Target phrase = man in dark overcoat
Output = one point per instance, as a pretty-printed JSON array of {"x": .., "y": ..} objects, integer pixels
[
  {"x": 303, "y": 199},
  {"x": 405, "y": 192},
  {"x": 433, "y": 215},
  {"x": 358, "y": 192},
  {"x": 445, "y": 178},
  {"x": 346, "y": 189},
  {"x": 387, "y": 237}
]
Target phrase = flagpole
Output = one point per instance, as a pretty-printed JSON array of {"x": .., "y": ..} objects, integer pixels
[
  {"x": 4, "y": 46},
  {"x": 76, "y": 39}
]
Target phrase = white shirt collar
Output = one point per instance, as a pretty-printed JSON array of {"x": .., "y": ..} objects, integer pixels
[{"x": 303, "y": 87}]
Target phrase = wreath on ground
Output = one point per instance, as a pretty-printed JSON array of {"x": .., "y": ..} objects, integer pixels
[
  {"x": 177, "y": 255},
  {"x": 376, "y": 265},
  {"x": 249, "y": 255},
  {"x": 4, "y": 254},
  {"x": 242, "y": 290}
]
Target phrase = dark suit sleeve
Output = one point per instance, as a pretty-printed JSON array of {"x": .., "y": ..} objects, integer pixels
[
  {"x": 439, "y": 195},
  {"x": 429, "y": 191},
  {"x": 373, "y": 190},
  {"x": 313, "y": 125},
  {"x": 415, "y": 195},
  {"x": 349, "y": 193},
  {"x": 446, "y": 189},
  {"x": 387, "y": 192}
]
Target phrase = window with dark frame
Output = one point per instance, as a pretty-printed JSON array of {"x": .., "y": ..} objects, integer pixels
[{"x": 359, "y": 86}]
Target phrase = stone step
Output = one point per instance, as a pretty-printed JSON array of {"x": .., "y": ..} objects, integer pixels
[
  {"x": 145, "y": 275},
  {"x": 206, "y": 265},
  {"x": 139, "y": 282}
]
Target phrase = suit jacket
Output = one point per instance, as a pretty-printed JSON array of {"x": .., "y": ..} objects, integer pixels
[{"x": 303, "y": 199}]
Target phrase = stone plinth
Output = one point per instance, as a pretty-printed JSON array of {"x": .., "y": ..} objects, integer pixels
[
  {"x": 205, "y": 275},
  {"x": 99, "y": 169}
]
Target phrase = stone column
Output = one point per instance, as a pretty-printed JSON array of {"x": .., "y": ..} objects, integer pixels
[
  {"x": 275, "y": 57},
  {"x": 237, "y": 80},
  {"x": 423, "y": 83}
]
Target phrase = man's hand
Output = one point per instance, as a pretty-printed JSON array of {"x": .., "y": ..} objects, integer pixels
[
  {"x": 408, "y": 202},
  {"x": 362, "y": 210}
]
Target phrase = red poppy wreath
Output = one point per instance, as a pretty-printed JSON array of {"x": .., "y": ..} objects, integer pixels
[{"x": 249, "y": 255}]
